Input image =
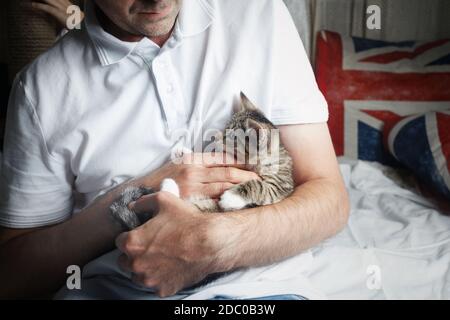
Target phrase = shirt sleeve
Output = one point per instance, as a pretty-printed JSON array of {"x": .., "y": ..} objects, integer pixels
[
  {"x": 297, "y": 98},
  {"x": 35, "y": 188}
]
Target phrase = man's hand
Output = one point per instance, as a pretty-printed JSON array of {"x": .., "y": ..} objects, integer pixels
[
  {"x": 172, "y": 251},
  {"x": 178, "y": 248},
  {"x": 201, "y": 175},
  {"x": 55, "y": 8}
]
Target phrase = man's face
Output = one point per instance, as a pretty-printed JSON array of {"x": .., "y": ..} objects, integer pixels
[{"x": 150, "y": 18}]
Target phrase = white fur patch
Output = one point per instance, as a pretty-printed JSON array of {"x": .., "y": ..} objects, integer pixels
[
  {"x": 169, "y": 185},
  {"x": 231, "y": 201}
]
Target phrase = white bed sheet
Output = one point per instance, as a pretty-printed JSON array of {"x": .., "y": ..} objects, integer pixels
[{"x": 396, "y": 245}]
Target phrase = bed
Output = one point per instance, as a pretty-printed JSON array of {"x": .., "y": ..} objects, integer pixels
[{"x": 395, "y": 246}]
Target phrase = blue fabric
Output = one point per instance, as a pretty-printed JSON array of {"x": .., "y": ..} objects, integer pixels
[
  {"x": 362, "y": 44},
  {"x": 441, "y": 62},
  {"x": 370, "y": 146},
  {"x": 413, "y": 149}
]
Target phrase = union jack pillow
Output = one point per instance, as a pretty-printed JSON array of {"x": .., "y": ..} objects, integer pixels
[
  {"x": 368, "y": 82},
  {"x": 422, "y": 143}
]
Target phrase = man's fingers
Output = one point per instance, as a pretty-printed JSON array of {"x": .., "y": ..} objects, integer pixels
[
  {"x": 215, "y": 190},
  {"x": 46, "y": 8},
  {"x": 152, "y": 203},
  {"x": 121, "y": 240},
  {"x": 228, "y": 175},
  {"x": 146, "y": 204},
  {"x": 217, "y": 159},
  {"x": 212, "y": 160},
  {"x": 62, "y": 5},
  {"x": 130, "y": 243},
  {"x": 144, "y": 281},
  {"x": 166, "y": 291}
]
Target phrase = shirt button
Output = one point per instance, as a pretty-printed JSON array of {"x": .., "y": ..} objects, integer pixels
[{"x": 169, "y": 88}]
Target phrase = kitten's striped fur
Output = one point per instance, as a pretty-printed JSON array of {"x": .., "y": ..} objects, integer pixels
[{"x": 275, "y": 170}]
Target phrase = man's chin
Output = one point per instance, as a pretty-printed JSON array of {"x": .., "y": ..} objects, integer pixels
[
  {"x": 152, "y": 30},
  {"x": 150, "y": 18}
]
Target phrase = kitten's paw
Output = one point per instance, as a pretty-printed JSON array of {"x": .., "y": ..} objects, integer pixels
[
  {"x": 169, "y": 185},
  {"x": 231, "y": 201}
]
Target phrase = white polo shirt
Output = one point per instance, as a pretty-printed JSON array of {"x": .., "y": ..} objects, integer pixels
[{"x": 94, "y": 111}]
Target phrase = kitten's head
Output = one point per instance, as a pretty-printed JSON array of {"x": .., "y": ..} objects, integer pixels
[
  {"x": 250, "y": 130},
  {"x": 248, "y": 116}
]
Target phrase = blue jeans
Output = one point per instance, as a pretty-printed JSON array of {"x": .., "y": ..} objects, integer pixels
[{"x": 277, "y": 297}]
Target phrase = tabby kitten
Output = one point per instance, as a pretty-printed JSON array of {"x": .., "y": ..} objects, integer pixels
[{"x": 266, "y": 156}]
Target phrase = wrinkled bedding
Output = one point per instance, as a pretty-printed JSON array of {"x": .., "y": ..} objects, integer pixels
[{"x": 396, "y": 246}]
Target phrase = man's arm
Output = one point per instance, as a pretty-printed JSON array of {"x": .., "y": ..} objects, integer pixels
[
  {"x": 180, "y": 246},
  {"x": 34, "y": 261},
  {"x": 318, "y": 208}
]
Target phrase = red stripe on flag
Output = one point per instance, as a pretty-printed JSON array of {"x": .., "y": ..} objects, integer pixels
[
  {"x": 329, "y": 61},
  {"x": 339, "y": 85},
  {"x": 443, "y": 124}
]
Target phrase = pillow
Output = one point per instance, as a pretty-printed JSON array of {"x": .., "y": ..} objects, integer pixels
[
  {"x": 368, "y": 82},
  {"x": 422, "y": 143}
]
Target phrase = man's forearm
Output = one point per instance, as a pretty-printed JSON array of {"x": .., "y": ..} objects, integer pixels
[
  {"x": 315, "y": 211},
  {"x": 35, "y": 263}
]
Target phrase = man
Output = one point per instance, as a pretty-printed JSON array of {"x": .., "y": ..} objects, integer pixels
[{"x": 98, "y": 110}]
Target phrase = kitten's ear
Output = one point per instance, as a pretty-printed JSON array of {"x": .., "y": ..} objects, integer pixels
[
  {"x": 263, "y": 132},
  {"x": 253, "y": 124},
  {"x": 246, "y": 104}
]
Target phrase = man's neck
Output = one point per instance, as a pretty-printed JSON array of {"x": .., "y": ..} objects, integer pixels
[{"x": 123, "y": 35}]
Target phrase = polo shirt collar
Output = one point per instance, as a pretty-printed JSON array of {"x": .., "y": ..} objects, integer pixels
[{"x": 194, "y": 18}]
